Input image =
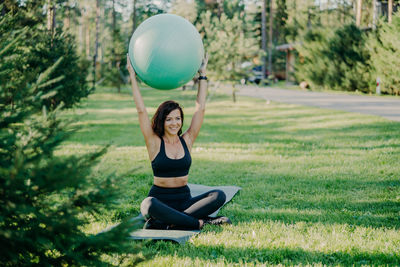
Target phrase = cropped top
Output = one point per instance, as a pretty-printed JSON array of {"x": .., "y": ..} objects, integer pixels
[{"x": 165, "y": 167}]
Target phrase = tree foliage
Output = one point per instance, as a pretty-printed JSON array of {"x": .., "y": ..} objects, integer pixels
[
  {"x": 46, "y": 50},
  {"x": 229, "y": 42},
  {"x": 334, "y": 59},
  {"x": 384, "y": 46},
  {"x": 46, "y": 200},
  {"x": 185, "y": 9},
  {"x": 37, "y": 50},
  {"x": 115, "y": 53}
]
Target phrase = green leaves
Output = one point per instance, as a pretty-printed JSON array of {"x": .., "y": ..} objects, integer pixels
[
  {"x": 229, "y": 42},
  {"x": 44, "y": 76},
  {"x": 384, "y": 46},
  {"x": 13, "y": 42},
  {"x": 46, "y": 200},
  {"x": 336, "y": 59}
]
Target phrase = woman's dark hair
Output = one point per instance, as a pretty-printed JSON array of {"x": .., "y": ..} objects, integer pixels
[{"x": 158, "y": 120}]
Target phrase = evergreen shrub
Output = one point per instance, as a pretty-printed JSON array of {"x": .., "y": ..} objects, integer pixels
[
  {"x": 36, "y": 51},
  {"x": 337, "y": 60},
  {"x": 47, "y": 200},
  {"x": 384, "y": 45},
  {"x": 46, "y": 49},
  {"x": 229, "y": 42}
]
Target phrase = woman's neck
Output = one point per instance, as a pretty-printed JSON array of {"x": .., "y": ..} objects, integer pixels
[{"x": 171, "y": 139}]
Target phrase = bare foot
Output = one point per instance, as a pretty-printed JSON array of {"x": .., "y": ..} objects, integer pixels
[{"x": 201, "y": 224}]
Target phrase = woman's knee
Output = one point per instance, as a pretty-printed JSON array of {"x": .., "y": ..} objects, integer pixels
[
  {"x": 146, "y": 205},
  {"x": 219, "y": 197}
]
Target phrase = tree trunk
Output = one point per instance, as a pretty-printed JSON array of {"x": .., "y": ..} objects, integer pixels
[
  {"x": 51, "y": 16},
  {"x": 87, "y": 40},
  {"x": 96, "y": 45},
  {"x": 118, "y": 66},
  {"x": 67, "y": 20},
  {"x": 134, "y": 17},
  {"x": 341, "y": 14},
  {"x": 220, "y": 8},
  {"x": 358, "y": 13},
  {"x": 115, "y": 62},
  {"x": 3, "y": 9},
  {"x": 49, "y": 5},
  {"x": 101, "y": 42},
  {"x": 328, "y": 14},
  {"x": 264, "y": 36},
  {"x": 81, "y": 36},
  {"x": 271, "y": 21},
  {"x": 390, "y": 10},
  {"x": 114, "y": 35},
  {"x": 374, "y": 14}
]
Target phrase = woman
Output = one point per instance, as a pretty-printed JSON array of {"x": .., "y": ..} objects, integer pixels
[{"x": 169, "y": 204}]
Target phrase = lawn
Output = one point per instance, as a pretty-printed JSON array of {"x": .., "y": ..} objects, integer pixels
[{"x": 319, "y": 187}]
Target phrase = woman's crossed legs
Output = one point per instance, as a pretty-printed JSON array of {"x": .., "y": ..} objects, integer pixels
[{"x": 184, "y": 214}]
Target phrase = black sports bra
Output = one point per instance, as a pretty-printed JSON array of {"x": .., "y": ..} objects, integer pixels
[{"x": 165, "y": 167}]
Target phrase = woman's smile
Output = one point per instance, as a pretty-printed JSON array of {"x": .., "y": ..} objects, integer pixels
[{"x": 173, "y": 122}]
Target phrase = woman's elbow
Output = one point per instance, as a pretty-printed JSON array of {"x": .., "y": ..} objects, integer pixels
[
  {"x": 141, "y": 111},
  {"x": 201, "y": 107}
]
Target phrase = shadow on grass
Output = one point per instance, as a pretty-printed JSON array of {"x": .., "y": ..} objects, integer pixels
[
  {"x": 274, "y": 133},
  {"x": 343, "y": 196},
  {"x": 313, "y": 201},
  {"x": 324, "y": 217},
  {"x": 286, "y": 256},
  {"x": 285, "y": 195}
]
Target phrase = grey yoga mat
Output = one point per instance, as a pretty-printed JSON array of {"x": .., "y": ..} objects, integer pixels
[{"x": 182, "y": 236}]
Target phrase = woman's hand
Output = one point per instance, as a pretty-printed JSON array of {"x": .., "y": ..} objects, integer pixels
[
  {"x": 132, "y": 72},
  {"x": 203, "y": 67}
]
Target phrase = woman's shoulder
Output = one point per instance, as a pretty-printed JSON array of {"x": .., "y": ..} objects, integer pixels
[
  {"x": 153, "y": 146},
  {"x": 155, "y": 139},
  {"x": 186, "y": 137}
]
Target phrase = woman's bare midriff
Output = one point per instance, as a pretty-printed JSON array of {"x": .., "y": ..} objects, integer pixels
[{"x": 171, "y": 182}]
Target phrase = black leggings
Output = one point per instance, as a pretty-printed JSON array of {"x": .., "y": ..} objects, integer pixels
[{"x": 176, "y": 206}]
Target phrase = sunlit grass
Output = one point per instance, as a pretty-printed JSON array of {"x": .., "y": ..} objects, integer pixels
[
  {"x": 319, "y": 187},
  {"x": 290, "y": 86}
]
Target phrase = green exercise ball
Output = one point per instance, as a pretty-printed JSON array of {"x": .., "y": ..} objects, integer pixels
[{"x": 166, "y": 51}]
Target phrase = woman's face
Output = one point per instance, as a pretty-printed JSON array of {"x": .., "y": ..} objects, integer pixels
[{"x": 173, "y": 122}]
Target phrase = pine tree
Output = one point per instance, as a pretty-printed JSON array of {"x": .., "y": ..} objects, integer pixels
[
  {"x": 37, "y": 51},
  {"x": 45, "y": 200},
  {"x": 185, "y": 9},
  {"x": 335, "y": 59},
  {"x": 115, "y": 58},
  {"x": 281, "y": 17},
  {"x": 385, "y": 50},
  {"x": 229, "y": 43}
]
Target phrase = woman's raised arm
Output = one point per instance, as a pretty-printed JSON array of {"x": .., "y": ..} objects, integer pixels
[
  {"x": 198, "y": 115},
  {"x": 144, "y": 121}
]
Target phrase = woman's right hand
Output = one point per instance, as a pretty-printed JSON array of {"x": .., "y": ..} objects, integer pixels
[
  {"x": 203, "y": 67},
  {"x": 132, "y": 72}
]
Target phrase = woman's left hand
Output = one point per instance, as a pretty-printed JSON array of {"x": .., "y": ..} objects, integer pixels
[
  {"x": 203, "y": 67},
  {"x": 132, "y": 72}
]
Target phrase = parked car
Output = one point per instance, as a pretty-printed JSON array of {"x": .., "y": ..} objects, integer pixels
[{"x": 256, "y": 75}]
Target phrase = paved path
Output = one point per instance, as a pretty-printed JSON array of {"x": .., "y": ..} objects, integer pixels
[{"x": 381, "y": 106}]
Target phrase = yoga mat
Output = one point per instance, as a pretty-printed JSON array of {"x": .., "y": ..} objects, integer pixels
[
  {"x": 180, "y": 236},
  {"x": 229, "y": 190}
]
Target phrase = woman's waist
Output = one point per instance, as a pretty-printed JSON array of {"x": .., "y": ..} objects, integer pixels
[
  {"x": 171, "y": 182},
  {"x": 168, "y": 194}
]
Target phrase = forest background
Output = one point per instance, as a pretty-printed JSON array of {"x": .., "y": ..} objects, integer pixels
[
  {"x": 340, "y": 45},
  {"x": 54, "y": 53}
]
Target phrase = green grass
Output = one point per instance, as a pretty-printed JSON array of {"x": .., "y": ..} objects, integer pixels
[
  {"x": 290, "y": 86},
  {"x": 319, "y": 187},
  {"x": 296, "y": 87}
]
